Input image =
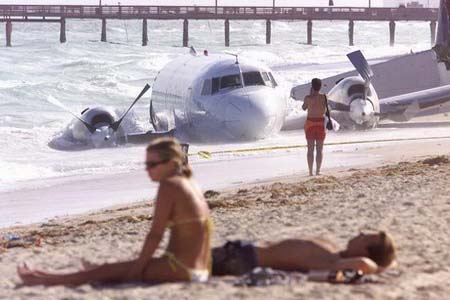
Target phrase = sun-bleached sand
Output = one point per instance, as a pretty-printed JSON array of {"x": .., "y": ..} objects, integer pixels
[{"x": 406, "y": 194}]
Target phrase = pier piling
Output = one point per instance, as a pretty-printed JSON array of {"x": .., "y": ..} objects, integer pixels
[
  {"x": 185, "y": 33},
  {"x": 309, "y": 32},
  {"x": 351, "y": 30},
  {"x": 62, "y": 31},
  {"x": 8, "y": 33},
  {"x": 144, "y": 33},
  {"x": 103, "y": 37},
  {"x": 433, "y": 32},
  {"x": 268, "y": 31},
  {"x": 227, "y": 33},
  {"x": 391, "y": 33}
]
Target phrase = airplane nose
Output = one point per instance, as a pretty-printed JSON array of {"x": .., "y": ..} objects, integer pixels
[{"x": 250, "y": 116}]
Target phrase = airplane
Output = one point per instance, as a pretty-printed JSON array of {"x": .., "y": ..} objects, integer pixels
[
  {"x": 205, "y": 97},
  {"x": 217, "y": 97},
  {"x": 221, "y": 97},
  {"x": 399, "y": 89}
]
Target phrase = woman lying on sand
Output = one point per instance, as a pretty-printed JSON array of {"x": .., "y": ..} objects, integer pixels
[
  {"x": 179, "y": 206},
  {"x": 370, "y": 253}
]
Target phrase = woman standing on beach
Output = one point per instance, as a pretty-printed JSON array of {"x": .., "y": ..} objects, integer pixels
[
  {"x": 315, "y": 104},
  {"x": 179, "y": 206}
]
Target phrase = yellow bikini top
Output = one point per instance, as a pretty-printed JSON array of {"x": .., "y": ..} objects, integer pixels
[
  {"x": 209, "y": 222},
  {"x": 209, "y": 228}
]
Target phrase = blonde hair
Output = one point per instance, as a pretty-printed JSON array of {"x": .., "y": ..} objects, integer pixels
[{"x": 170, "y": 149}]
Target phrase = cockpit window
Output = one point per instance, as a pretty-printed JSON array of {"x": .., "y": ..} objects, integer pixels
[
  {"x": 215, "y": 85},
  {"x": 253, "y": 78},
  {"x": 272, "y": 80},
  {"x": 230, "y": 81},
  {"x": 206, "y": 90},
  {"x": 265, "y": 76}
]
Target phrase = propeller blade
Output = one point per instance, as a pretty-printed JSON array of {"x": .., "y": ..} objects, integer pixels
[
  {"x": 152, "y": 116},
  {"x": 338, "y": 106},
  {"x": 56, "y": 102},
  {"x": 361, "y": 65},
  {"x": 116, "y": 124}
]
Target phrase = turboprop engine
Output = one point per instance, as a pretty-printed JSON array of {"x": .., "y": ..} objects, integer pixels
[
  {"x": 354, "y": 99},
  {"x": 99, "y": 126},
  {"x": 354, "y": 103},
  {"x": 99, "y": 134}
]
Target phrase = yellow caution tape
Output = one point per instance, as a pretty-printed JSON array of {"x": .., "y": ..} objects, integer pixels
[
  {"x": 209, "y": 154},
  {"x": 204, "y": 154}
]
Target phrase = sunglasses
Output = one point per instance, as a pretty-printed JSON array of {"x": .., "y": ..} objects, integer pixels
[{"x": 153, "y": 164}]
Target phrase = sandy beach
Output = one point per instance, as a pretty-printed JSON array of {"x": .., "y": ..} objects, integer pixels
[{"x": 406, "y": 193}]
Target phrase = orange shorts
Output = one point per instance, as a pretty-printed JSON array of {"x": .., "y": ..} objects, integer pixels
[{"x": 315, "y": 129}]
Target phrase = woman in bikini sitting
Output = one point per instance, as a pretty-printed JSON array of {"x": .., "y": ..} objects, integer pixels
[
  {"x": 315, "y": 104},
  {"x": 179, "y": 206}
]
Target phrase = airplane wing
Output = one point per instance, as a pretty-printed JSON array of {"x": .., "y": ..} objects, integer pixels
[
  {"x": 422, "y": 103},
  {"x": 401, "y": 75},
  {"x": 146, "y": 137}
]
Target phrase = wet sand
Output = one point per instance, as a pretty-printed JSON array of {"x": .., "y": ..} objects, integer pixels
[{"x": 407, "y": 193}]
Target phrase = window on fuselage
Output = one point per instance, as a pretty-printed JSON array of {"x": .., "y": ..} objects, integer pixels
[
  {"x": 230, "y": 81},
  {"x": 253, "y": 78}
]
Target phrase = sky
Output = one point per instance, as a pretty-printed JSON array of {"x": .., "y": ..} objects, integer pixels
[{"x": 375, "y": 3}]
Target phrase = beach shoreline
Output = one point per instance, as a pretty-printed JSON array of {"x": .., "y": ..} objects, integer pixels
[{"x": 72, "y": 196}]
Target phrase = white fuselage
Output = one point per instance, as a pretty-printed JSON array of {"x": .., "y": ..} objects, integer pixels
[{"x": 214, "y": 97}]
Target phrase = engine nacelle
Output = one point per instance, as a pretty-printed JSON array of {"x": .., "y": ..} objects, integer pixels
[
  {"x": 353, "y": 104},
  {"x": 101, "y": 118}
]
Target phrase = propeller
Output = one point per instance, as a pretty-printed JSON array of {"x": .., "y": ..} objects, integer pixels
[
  {"x": 56, "y": 102},
  {"x": 362, "y": 67},
  {"x": 114, "y": 126}
]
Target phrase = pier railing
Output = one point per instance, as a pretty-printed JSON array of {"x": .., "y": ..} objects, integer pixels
[
  {"x": 59, "y": 13},
  {"x": 212, "y": 12}
]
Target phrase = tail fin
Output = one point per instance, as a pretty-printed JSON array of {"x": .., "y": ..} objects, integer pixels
[{"x": 443, "y": 34}]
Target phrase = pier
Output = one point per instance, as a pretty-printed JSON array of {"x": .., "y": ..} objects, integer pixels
[{"x": 10, "y": 14}]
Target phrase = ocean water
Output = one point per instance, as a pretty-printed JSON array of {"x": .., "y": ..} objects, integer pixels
[{"x": 85, "y": 72}]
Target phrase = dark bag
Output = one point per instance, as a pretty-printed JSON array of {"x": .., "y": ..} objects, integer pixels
[{"x": 327, "y": 113}]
